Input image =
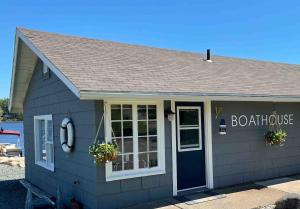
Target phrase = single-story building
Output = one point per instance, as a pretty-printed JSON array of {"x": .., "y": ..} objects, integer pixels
[{"x": 182, "y": 121}]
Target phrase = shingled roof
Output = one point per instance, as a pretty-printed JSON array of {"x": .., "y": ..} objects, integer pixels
[{"x": 95, "y": 66}]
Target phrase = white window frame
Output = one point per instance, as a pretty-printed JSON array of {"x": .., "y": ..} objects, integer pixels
[
  {"x": 136, "y": 172},
  {"x": 199, "y": 127},
  {"x": 48, "y": 165}
]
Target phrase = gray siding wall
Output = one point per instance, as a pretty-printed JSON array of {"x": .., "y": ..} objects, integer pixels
[
  {"x": 51, "y": 96},
  {"x": 242, "y": 156}
]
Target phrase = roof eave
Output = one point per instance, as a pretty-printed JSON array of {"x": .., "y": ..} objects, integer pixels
[
  {"x": 20, "y": 36},
  {"x": 97, "y": 95}
]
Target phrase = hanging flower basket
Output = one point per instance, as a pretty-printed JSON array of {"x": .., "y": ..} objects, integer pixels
[
  {"x": 104, "y": 152},
  {"x": 275, "y": 136}
]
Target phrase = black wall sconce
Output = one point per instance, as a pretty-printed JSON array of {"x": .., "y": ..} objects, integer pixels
[
  {"x": 222, "y": 127},
  {"x": 170, "y": 114}
]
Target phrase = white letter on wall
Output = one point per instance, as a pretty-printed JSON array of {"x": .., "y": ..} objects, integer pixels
[
  {"x": 286, "y": 119},
  {"x": 233, "y": 120},
  {"x": 291, "y": 119},
  {"x": 252, "y": 120},
  {"x": 246, "y": 120},
  {"x": 264, "y": 119}
]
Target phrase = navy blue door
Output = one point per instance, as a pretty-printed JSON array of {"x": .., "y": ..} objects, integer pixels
[{"x": 190, "y": 145}]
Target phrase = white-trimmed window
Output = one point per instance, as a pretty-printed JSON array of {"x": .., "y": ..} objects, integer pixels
[
  {"x": 43, "y": 140},
  {"x": 138, "y": 129},
  {"x": 189, "y": 128}
]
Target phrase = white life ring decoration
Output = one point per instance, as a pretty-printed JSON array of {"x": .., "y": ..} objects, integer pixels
[{"x": 66, "y": 135}]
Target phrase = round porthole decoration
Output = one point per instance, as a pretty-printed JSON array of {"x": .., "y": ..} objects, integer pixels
[{"x": 67, "y": 135}]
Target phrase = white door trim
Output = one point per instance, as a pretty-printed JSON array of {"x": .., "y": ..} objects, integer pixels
[
  {"x": 174, "y": 150},
  {"x": 207, "y": 143}
]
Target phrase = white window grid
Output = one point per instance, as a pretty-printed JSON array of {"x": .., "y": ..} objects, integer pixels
[
  {"x": 122, "y": 137},
  {"x": 147, "y": 136},
  {"x": 136, "y": 171},
  {"x": 190, "y": 147},
  {"x": 48, "y": 142}
]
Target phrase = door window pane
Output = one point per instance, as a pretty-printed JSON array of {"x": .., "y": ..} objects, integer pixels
[
  {"x": 189, "y": 116},
  {"x": 189, "y": 138}
]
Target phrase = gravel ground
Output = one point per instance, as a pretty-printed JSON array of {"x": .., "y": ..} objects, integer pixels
[{"x": 12, "y": 193}]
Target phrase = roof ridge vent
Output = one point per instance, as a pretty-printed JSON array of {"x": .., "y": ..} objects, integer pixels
[{"x": 208, "y": 56}]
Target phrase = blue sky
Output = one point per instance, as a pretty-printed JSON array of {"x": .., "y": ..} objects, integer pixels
[{"x": 260, "y": 29}]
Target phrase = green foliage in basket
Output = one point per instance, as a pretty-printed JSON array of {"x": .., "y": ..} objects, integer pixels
[
  {"x": 276, "y": 137},
  {"x": 104, "y": 152}
]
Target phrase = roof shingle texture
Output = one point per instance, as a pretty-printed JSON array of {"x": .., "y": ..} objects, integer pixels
[{"x": 104, "y": 66}]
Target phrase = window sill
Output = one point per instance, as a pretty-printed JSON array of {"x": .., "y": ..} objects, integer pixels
[
  {"x": 136, "y": 174},
  {"x": 44, "y": 165}
]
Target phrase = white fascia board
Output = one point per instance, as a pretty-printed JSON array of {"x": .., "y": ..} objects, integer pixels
[
  {"x": 12, "y": 82},
  {"x": 52, "y": 67},
  {"x": 92, "y": 95}
]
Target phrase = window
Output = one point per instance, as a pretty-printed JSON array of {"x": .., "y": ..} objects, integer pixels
[
  {"x": 137, "y": 128},
  {"x": 189, "y": 128},
  {"x": 43, "y": 138},
  {"x": 46, "y": 72},
  {"x": 45, "y": 69}
]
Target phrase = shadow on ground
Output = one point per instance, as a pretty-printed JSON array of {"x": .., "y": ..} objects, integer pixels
[{"x": 12, "y": 195}]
